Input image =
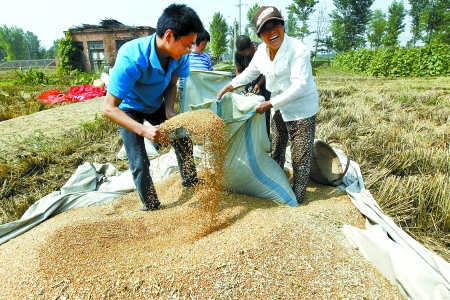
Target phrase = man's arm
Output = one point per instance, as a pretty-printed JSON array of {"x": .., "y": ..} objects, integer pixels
[
  {"x": 257, "y": 87},
  {"x": 238, "y": 70},
  {"x": 112, "y": 111},
  {"x": 170, "y": 96}
]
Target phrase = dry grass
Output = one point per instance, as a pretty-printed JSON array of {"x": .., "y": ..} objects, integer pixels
[
  {"x": 41, "y": 151},
  {"x": 398, "y": 130}
]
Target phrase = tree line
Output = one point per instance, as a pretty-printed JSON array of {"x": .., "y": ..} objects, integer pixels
[
  {"x": 16, "y": 44},
  {"x": 351, "y": 25}
]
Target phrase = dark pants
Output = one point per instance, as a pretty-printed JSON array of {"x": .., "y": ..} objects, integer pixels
[
  {"x": 140, "y": 164},
  {"x": 301, "y": 135},
  {"x": 267, "y": 115}
]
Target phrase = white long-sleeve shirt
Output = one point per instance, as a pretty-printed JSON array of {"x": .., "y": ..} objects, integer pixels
[{"x": 288, "y": 77}]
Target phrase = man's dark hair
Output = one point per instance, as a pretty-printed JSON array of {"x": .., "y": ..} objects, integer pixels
[
  {"x": 181, "y": 19},
  {"x": 202, "y": 36},
  {"x": 243, "y": 42}
]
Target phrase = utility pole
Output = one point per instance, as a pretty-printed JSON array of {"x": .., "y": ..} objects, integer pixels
[
  {"x": 28, "y": 48},
  {"x": 234, "y": 46},
  {"x": 240, "y": 17},
  {"x": 239, "y": 5}
]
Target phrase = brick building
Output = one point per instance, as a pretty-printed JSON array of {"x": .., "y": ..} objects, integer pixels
[{"x": 100, "y": 43}]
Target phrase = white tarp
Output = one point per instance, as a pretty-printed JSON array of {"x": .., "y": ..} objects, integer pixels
[
  {"x": 79, "y": 191},
  {"x": 91, "y": 184},
  {"x": 416, "y": 271}
]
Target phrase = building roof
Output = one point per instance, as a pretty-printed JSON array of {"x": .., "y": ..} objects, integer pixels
[{"x": 104, "y": 24}]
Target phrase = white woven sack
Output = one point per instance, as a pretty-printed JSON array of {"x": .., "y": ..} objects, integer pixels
[{"x": 248, "y": 168}]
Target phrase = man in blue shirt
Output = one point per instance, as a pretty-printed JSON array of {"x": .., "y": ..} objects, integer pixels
[{"x": 143, "y": 86}]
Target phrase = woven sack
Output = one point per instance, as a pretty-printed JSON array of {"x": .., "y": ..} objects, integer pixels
[{"x": 325, "y": 165}]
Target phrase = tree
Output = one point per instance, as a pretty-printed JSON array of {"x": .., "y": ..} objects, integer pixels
[
  {"x": 327, "y": 45},
  {"x": 231, "y": 31},
  {"x": 395, "y": 24},
  {"x": 442, "y": 30},
  {"x": 435, "y": 22},
  {"x": 18, "y": 44},
  {"x": 376, "y": 28},
  {"x": 291, "y": 25},
  {"x": 13, "y": 41},
  {"x": 429, "y": 21},
  {"x": 417, "y": 8},
  {"x": 218, "y": 31},
  {"x": 302, "y": 9},
  {"x": 348, "y": 23},
  {"x": 321, "y": 30},
  {"x": 33, "y": 46},
  {"x": 251, "y": 27},
  {"x": 2, "y": 53},
  {"x": 53, "y": 51}
]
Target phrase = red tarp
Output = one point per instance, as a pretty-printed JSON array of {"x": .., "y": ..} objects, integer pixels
[{"x": 76, "y": 93}]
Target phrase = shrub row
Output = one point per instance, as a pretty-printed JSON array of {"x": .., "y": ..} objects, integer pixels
[{"x": 424, "y": 61}]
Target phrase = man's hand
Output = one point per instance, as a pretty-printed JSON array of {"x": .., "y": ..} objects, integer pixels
[
  {"x": 263, "y": 107},
  {"x": 256, "y": 89},
  {"x": 170, "y": 113},
  {"x": 152, "y": 133},
  {"x": 225, "y": 89}
]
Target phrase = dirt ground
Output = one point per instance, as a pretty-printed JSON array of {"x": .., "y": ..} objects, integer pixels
[
  {"x": 249, "y": 248},
  {"x": 49, "y": 122}
]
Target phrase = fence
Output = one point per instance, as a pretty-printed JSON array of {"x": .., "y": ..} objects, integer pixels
[{"x": 37, "y": 63}]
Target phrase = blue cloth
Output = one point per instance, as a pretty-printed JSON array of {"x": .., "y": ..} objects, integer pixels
[{"x": 138, "y": 78}]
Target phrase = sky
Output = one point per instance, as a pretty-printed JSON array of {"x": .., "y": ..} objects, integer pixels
[{"x": 48, "y": 19}]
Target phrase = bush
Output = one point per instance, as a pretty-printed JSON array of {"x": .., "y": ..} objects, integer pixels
[
  {"x": 69, "y": 55},
  {"x": 33, "y": 77},
  {"x": 426, "y": 61}
]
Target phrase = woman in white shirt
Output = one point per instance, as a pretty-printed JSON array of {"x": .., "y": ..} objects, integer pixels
[{"x": 285, "y": 61}]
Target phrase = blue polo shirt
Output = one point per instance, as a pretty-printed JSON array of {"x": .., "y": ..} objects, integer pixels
[{"x": 138, "y": 78}]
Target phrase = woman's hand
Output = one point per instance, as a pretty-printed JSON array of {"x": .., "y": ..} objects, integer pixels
[{"x": 263, "y": 107}]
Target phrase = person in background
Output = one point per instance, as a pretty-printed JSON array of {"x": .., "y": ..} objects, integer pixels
[
  {"x": 245, "y": 49},
  {"x": 199, "y": 60},
  {"x": 143, "y": 86},
  {"x": 285, "y": 62}
]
